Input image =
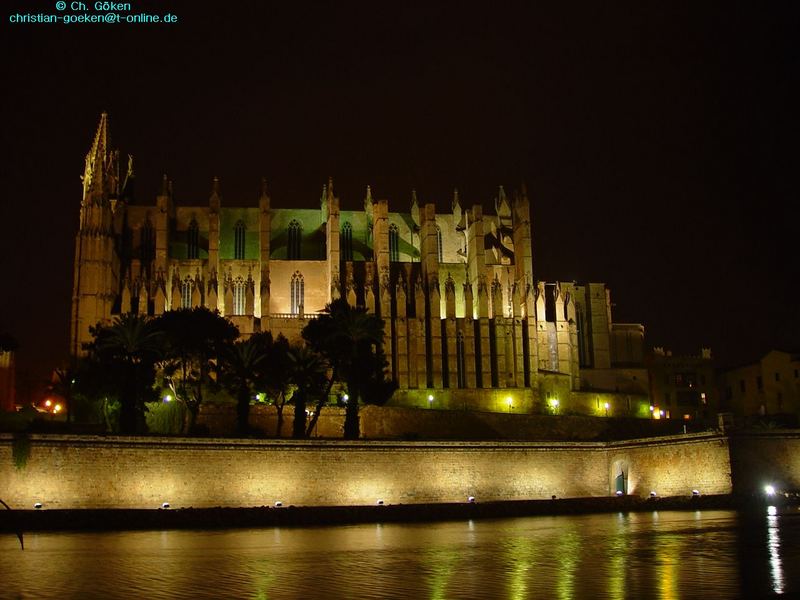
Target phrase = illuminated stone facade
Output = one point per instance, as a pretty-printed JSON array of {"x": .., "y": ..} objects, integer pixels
[
  {"x": 71, "y": 472},
  {"x": 462, "y": 310}
]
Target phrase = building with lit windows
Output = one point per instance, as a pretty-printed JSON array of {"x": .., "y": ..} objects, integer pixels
[
  {"x": 466, "y": 323},
  {"x": 683, "y": 387}
]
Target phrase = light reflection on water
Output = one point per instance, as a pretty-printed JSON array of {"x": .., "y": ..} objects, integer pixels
[
  {"x": 774, "y": 547},
  {"x": 667, "y": 555}
]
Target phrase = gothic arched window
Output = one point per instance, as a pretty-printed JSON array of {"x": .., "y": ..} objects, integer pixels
[
  {"x": 439, "y": 243},
  {"x": 297, "y": 291},
  {"x": 147, "y": 242},
  {"x": 238, "y": 240},
  {"x": 294, "y": 239},
  {"x": 187, "y": 287},
  {"x": 239, "y": 296},
  {"x": 193, "y": 240},
  {"x": 346, "y": 241},
  {"x": 394, "y": 243}
]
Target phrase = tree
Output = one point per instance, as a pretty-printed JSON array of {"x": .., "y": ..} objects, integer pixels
[
  {"x": 277, "y": 376},
  {"x": 63, "y": 384},
  {"x": 350, "y": 340},
  {"x": 125, "y": 354},
  {"x": 309, "y": 376},
  {"x": 195, "y": 338},
  {"x": 243, "y": 371}
]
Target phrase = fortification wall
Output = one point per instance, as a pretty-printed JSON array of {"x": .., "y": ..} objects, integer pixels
[
  {"x": 761, "y": 458},
  {"x": 673, "y": 466},
  {"x": 117, "y": 472},
  {"x": 434, "y": 423}
]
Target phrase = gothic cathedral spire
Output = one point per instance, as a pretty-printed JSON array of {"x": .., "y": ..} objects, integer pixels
[{"x": 96, "y": 273}]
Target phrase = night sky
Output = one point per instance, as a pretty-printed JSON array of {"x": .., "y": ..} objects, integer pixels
[{"x": 658, "y": 143}]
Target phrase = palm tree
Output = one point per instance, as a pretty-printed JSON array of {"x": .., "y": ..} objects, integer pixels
[
  {"x": 350, "y": 340},
  {"x": 309, "y": 377},
  {"x": 195, "y": 338},
  {"x": 277, "y": 376},
  {"x": 241, "y": 373},
  {"x": 128, "y": 350}
]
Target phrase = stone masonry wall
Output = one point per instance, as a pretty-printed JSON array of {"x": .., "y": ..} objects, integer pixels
[
  {"x": 766, "y": 458},
  {"x": 673, "y": 466},
  {"x": 117, "y": 472},
  {"x": 432, "y": 423}
]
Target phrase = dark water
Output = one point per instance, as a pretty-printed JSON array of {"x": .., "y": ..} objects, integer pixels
[{"x": 709, "y": 554}]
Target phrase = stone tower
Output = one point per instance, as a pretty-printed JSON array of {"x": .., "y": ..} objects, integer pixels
[{"x": 97, "y": 264}]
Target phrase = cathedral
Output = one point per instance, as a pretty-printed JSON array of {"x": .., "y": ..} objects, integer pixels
[{"x": 466, "y": 323}]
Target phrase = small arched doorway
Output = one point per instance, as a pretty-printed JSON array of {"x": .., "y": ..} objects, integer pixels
[{"x": 619, "y": 475}]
